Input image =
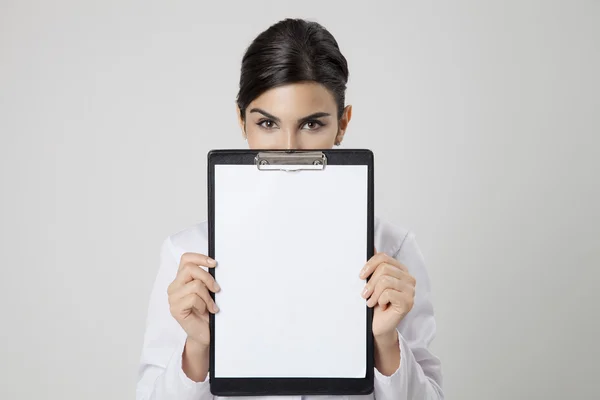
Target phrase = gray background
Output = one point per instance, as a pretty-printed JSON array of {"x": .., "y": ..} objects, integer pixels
[{"x": 483, "y": 117}]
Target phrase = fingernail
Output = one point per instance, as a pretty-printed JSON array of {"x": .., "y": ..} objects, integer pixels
[
  {"x": 362, "y": 271},
  {"x": 211, "y": 262},
  {"x": 216, "y": 308},
  {"x": 365, "y": 291},
  {"x": 217, "y": 287}
]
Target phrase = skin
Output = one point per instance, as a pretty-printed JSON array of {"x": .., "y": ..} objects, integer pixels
[{"x": 296, "y": 116}]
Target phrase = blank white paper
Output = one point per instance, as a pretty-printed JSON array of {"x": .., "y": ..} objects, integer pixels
[{"x": 290, "y": 246}]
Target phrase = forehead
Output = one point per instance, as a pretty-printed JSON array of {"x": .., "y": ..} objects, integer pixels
[{"x": 296, "y": 100}]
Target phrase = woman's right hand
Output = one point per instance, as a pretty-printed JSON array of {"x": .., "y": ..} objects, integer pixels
[{"x": 189, "y": 297}]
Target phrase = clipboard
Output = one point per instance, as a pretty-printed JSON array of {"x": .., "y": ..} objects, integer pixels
[{"x": 290, "y": 231}]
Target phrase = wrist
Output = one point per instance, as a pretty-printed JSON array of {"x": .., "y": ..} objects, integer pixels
[
  {"x": 387, "y": 340},
  {"x": 387, "y": 353},
  {"x": 194, "y": 360},
  {"x": 194, "y": 347}
]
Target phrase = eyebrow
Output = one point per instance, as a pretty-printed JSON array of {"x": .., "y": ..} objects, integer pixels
[
  {"x": 313, "y": 116},
  {"x": 303, "y": 119}
]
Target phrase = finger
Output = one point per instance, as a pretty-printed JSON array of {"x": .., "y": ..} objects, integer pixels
[
  {"x": 189, "y": 303},
  {"x": 198, "y": 288},
  {"x": 387, "y": 269},
  {"x": 388, "y": 296},
  {"x": 383, "y": 270},
  {"x": 198, "y": 259},
  {"x": 391, "y": 270},
  {"x": 377, "y": 259},
  {"x": 399, "y": 300},
  {"x": 190, "y": 272},
  {"x": 391, "y": 260},
  {"x": 385, "y": 282}
]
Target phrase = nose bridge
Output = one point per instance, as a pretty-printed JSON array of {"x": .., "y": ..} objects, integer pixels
[{"x": 290, "y": 139}]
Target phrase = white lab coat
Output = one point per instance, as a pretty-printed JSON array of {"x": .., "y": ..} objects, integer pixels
[{"x": 161, "y": 376}]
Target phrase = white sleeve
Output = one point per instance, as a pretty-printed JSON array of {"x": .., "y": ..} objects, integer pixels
[
  {"x": 161, "y": 376},
  {"x": 419, "y": 375}
]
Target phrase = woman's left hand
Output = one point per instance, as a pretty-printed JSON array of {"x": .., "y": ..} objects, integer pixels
[{"x": 391, "y": 291}]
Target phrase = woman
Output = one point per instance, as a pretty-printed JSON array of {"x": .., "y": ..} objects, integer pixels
[{"x": 291, "y": 96}]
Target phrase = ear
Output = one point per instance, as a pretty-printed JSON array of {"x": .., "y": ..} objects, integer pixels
[
  {"x": 241, "y": 122},
  {"x": 343, "y": 124}
]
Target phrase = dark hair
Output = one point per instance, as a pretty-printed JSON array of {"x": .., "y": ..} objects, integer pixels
[{"x": 291, "y": 51}]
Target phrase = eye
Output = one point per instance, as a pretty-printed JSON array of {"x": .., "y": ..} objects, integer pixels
[
  {"x": 267, "y": 124},
  {"x": 312, "y": 125}
]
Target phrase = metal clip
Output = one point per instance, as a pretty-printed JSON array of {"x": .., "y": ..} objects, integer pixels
[{"x": 290, "y": 162}]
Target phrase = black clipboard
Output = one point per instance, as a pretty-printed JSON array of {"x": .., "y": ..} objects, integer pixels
[{"x": 224, "y": 165}]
